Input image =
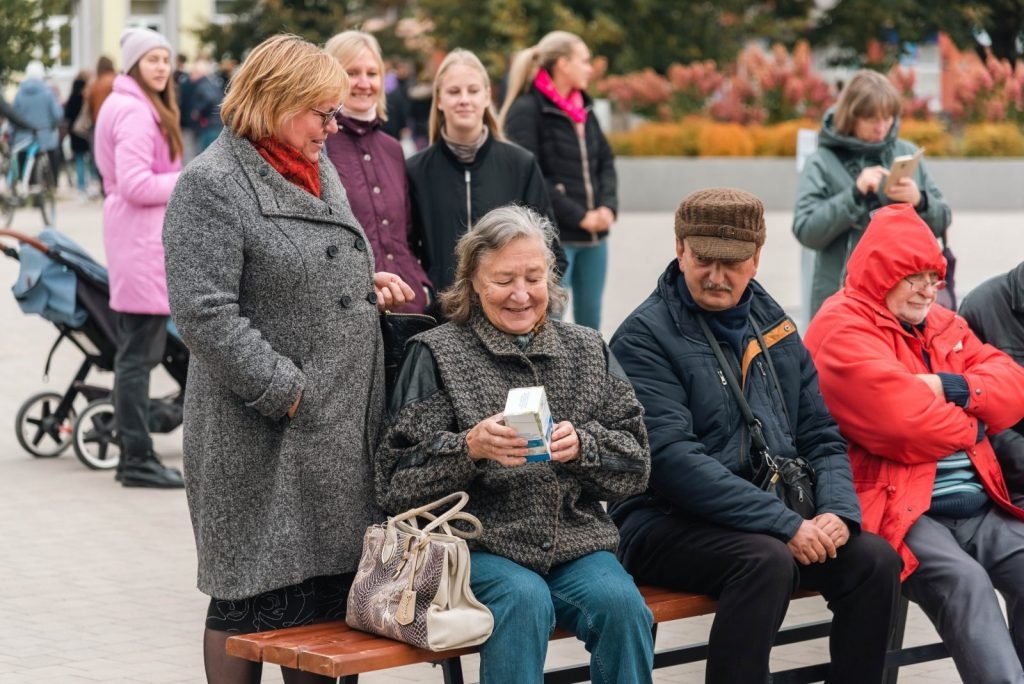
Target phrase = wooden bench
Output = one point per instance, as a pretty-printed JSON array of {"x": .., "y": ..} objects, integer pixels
[{"x": 335, "y": 650}]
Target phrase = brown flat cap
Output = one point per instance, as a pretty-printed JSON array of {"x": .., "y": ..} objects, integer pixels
[{"x": 724, "y": 224}]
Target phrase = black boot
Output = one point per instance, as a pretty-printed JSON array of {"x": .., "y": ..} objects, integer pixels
[{"x": 145, "y": 470}]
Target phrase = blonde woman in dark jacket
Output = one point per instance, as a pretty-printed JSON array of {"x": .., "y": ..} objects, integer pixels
[
  {"x": 548, "y": 111},
  {"x": 468, "y": 169}
]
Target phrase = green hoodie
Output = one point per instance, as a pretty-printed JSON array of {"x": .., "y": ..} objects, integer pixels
[{"x": 831, "y": 214}]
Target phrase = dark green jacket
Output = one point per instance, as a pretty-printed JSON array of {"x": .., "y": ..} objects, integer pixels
[{"x": 831, "y": 215}]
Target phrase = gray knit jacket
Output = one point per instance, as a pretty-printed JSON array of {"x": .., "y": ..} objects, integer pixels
[{"x": 540, "y": 514}]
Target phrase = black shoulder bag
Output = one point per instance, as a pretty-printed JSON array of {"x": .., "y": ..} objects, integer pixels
[{"x": 791, "y": 479}]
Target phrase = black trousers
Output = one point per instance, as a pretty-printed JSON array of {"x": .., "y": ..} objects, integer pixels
[
  {"x": 753, "y": 577},
  {"x": 141, "y": 339}
]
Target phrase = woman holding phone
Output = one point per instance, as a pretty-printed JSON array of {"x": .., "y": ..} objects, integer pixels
[{"x": 843, "y": 182}]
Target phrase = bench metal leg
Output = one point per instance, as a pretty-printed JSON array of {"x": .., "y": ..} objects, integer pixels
[
  {"x": 892, "y": 671},
  {"x": 349, "y": 679}
]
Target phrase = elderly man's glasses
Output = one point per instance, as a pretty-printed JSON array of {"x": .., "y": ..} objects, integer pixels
[
  {"x": 919, "y": 284},
  {"x": 326, "y": 117}
]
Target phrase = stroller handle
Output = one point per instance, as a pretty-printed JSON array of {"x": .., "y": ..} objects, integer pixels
[{"x": 26, "y": 239}]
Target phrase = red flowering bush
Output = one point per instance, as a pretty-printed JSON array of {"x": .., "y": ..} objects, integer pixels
[{"x": 976, "y": 91}]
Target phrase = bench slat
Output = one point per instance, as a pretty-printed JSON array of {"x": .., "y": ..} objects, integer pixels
[{"x": 336, "y": 650}]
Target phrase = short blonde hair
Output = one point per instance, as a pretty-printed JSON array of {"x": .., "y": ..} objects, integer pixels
[
  {"x": 346, "y": 46},
  {"x": 496, "y": 229},
  {"x": 867, "y": 95},
  {"x": 458, "y": 56},
  {"x": 283, "y": 76}
]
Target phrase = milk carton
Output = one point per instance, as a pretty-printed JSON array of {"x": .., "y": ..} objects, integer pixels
[{"x": 526, "y": 410}]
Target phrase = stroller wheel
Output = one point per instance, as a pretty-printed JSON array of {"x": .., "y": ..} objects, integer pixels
[
  {"x": 94, "y": 436},
  {"x": 40, "y": 431}
]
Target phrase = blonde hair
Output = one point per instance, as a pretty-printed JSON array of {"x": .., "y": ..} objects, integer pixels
[
  {"x": 496, "y": 229},
  {"x": 543, "y": 55},
  {"x": 458, "y": 56},
  {"x": 867, "y": 95},
  {"x": 282, "y": 77},
  {"x": 166, "y": 103},
  {"x": 346, "y": 46}
]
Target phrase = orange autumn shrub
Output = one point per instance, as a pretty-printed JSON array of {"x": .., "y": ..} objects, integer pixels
[
  {"x": 930, "y": 135},
  {"x": 993, "y": 140},
  {"x": 659, "y": 139},
  {"x": 779, "y": 140},
  {"x": 724, "y": 140}
]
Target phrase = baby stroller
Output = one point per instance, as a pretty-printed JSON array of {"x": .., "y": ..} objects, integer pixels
[{"x": 61, "y": 283}]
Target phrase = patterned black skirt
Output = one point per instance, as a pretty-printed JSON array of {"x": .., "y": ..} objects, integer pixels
[{"x": 313, "y": 600}]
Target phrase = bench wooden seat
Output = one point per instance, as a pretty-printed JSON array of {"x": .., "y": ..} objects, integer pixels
[{"x": 336, "y": 650}]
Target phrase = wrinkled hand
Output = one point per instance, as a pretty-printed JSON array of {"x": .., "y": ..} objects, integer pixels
[
  {"x": 565, "y": 443},
  {"x": 811, "y": 544},
  {"x": 491, "y": 438},
  {"x": 905, "y": 190},
  {"x": 933, "y": 382},
  {"x": 607, "y": 215},
  {"x": 832, "y": 525},
  {"x": 871, "y": 178},
  {"x": 391, "y": 290}
]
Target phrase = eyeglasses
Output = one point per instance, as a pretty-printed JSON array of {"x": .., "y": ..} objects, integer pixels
[
  {"x": 327, "y": 116},
  {"x": 920, "y": 284}
]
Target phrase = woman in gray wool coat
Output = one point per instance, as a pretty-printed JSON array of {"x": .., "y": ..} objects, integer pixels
[
  {"x": 272, "y": 286},
  {"x": 545, "y": 558}
]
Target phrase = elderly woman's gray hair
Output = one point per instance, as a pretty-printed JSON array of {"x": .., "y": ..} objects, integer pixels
[{"x": 496, "y": 229}]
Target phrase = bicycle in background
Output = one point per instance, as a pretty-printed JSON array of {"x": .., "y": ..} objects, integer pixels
[{"x": 26, "y": 178}]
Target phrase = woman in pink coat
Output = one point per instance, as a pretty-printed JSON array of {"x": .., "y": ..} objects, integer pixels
[{"x": 138, "y": 150}]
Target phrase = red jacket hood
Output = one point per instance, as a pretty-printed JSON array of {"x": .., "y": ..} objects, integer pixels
[{"x": 896, "y": 244}]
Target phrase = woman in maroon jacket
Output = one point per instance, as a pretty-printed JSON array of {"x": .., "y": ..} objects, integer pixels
[{"x": 371, "y": 164}]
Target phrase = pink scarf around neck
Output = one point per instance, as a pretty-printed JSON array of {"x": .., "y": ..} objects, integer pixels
[{"x": 572, "y": 105}]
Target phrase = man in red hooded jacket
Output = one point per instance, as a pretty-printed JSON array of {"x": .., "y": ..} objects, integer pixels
[{"x": 915, "y": 392}]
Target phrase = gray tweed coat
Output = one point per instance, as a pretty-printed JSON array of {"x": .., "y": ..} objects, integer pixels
[
  {"x": 539, "y": 515},
  {"x": 271, "y": 290}
]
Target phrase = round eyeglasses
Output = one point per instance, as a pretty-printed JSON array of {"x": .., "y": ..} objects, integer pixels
[{"x": 922, "y": 284}]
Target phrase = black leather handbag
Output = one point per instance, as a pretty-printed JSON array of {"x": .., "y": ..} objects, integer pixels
[
  {"x": 397, "y": 329},
  {"x": 790, "y": 479}
]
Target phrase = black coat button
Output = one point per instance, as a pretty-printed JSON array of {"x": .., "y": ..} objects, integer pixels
[
  {"x": 345, "y": 301},
  {"x": 372, "y": 298},
  {"x": 361, "y": 244},
  {"x": 332, "y": 251},
  {"x": 546, "y": 546}
]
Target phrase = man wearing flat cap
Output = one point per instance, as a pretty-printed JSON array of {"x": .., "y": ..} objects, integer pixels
[{"x": 703, "y": 526}]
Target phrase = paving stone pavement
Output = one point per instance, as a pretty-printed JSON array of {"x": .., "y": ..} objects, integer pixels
[{"x": 97, "y": 583}]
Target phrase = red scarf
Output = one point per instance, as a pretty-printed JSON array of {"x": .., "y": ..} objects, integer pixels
[
  {"x": 572, "y": 105},
  {"x": 291, "y": 164}
]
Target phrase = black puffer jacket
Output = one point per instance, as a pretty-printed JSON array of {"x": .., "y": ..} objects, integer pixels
[
  {"x": 700, "y": 444},
  {"x": 448, "y": 196},
  {"x": 995, "y": 312},
  {"x": 580, "y": 174}
]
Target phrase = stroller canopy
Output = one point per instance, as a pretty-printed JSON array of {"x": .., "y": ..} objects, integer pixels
[{"x": 46, "y": 283}]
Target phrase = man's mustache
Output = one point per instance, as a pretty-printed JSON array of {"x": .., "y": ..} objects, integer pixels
[{"x": 716, "y": 287}]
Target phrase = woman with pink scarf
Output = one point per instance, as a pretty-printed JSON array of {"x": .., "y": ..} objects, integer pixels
[{"x": 548, "y": 111}]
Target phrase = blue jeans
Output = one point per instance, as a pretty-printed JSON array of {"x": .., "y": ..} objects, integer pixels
[
  {"x": 592, "y": 597},
  {"x": 585, "y": 276}
]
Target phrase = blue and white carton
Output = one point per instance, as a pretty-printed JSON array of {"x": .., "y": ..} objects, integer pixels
[{"x": 526, "y": 410}]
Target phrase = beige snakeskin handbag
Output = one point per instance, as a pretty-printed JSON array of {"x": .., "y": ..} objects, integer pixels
[{"x": 412, "y": 584}]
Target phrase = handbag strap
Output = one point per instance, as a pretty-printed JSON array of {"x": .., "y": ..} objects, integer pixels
[
  {"x": 756, "y": 433},
  {"x": 457, "y": 501}
]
